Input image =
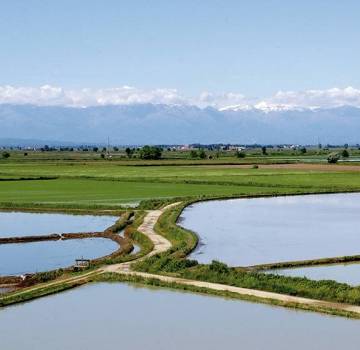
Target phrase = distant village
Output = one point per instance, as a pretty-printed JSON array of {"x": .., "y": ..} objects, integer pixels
[{"x": 177, "y": 148}]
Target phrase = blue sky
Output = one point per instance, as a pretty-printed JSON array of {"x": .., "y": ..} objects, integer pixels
[{"x": 255, "y": 48}]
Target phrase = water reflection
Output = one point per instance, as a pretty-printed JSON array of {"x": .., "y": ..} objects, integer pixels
[
  {"x": 343, "y": 273},
  {"x": 17, "y": 259},
  {"x": 264, "y": 230},
  {"x": 108, "y": 316},
  {"x": 28, "y": 224}
]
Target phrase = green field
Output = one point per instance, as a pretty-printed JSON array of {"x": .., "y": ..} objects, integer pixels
[
  {"x": 87, "y": 192},
  {"x": 112, "y": 183}
]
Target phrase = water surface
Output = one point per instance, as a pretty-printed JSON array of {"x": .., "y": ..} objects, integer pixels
[
  {"x": 21, "y": 258},
  {"x": 118, "y": 316},
  {"x": 343, "y": 273},
  {"x": 28, "y": 224},
  {"x": 264, "y": 230}
]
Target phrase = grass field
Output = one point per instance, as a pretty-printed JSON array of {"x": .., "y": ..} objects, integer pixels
[
  {"x": 87, "y": 192},
  {"x": 112, "y": 183}
]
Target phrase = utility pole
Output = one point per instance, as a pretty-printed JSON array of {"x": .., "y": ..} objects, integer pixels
[{"x": 108, "y": 147}]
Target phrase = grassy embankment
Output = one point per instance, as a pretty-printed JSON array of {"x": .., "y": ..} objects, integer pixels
[
  {"x": 174, "y": 263},
  {"x": 114, "y": 277}
]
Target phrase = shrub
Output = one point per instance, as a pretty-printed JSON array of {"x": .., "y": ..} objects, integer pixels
[
  {"x": 193, "y": 154},
  {"x": 150, "y": 152},
  {"x": 5, "y": 155},
  {"x": 218, "y": 267},
  {"x": 202, "y": 154},
  {"x": 333, "y": 158},
  {"x": 240, "y": 154},
  {"x": 345, "y": 153}
]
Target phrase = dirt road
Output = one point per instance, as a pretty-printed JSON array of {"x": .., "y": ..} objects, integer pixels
[{"x": 161, "y": 244}]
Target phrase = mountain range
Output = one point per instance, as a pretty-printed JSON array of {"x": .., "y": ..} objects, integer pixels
[{"x": 180, "y": 124}]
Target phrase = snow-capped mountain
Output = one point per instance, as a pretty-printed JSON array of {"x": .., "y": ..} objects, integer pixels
[{"x": 169, "y": 124}]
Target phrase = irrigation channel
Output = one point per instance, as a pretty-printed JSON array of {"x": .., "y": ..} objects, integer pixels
[{"x": 252, "y": 315}]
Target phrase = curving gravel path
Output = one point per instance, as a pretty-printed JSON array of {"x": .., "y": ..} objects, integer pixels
[{"x": 161, "y": 244}]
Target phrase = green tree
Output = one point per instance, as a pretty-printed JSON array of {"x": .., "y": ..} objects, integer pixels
[
  {"x": 202, "y": 154},
  {"x": 95, "y": 149},
  {"x": 193, "y": 154},
  {"x": 264, "y": 150},
  {"x": 5, "y": 155},
  {"x": 303, "y": 150},
  {"x": 345, "y": 153},
  {"x": 150, "y": 152},
  {"x": 240, "y": 154},
  {"x": 129, "y": 152}
]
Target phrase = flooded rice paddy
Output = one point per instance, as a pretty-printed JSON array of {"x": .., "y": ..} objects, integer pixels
[
  {"x": 21, "y": 258},
  {"x": 107, "y": 316},
  {"x": 242, "y": 232},
  {"x": 14, "y": 224}
]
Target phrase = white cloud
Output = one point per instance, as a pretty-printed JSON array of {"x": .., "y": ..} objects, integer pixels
[
  {"x": 308, "y": 99},
  {"x": 126, "y": 95},
  {"x": 54, "y": 96},
  {"x": 220, "y": 100},
  {"x": 329, "y": 98},
  {"x": 43, "y": 95}
]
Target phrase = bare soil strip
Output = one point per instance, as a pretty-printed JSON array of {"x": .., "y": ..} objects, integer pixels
[{"x": 293, "y": 166}]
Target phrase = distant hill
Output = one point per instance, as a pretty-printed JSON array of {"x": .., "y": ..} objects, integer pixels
[{"x": 176, "y": 124}]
